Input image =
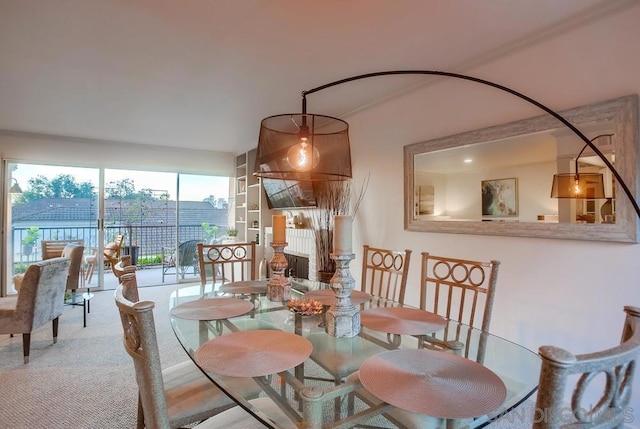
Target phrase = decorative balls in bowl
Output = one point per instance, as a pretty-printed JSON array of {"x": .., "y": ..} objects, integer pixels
[{"x": 305, "y": 307}]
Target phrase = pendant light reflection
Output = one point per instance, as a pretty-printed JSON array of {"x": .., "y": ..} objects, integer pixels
[{"x": 579, "y": 185}]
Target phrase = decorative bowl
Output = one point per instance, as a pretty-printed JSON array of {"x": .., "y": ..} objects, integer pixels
[{"x": 305, "y": 307}]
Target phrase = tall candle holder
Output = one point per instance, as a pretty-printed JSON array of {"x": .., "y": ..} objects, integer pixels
[
  {"x": 279, "y": 286},
  {"x": 343, "y": 318}
]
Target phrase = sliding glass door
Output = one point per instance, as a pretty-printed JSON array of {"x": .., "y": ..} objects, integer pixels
[
  {"x": 47, "y": 203},
  {"x": 159, "y": 214}
]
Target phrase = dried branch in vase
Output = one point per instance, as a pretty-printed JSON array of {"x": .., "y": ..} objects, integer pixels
[{"x": 332, "y": 198}]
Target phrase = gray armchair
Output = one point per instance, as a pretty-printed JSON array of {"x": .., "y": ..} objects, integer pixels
[{"x": 40, "y": 300}]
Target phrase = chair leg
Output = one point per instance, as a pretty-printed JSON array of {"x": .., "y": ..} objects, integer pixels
[
  {"x": 89, "y": 274},
  {"x": 55, "y": 330},
  {"x": 26, "y": 344}
]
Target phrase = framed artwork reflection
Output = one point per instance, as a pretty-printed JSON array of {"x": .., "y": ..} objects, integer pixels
[{"x": 500, "y": 197}]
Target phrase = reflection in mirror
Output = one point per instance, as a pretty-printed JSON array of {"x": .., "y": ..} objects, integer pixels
[{"x": 499, "y": 180}]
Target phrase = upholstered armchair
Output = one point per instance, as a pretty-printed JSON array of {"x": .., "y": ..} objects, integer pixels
[{"x": 40, "y": 300}]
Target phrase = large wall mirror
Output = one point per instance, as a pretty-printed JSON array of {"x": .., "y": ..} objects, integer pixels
[{"x": 498, "y": 180}]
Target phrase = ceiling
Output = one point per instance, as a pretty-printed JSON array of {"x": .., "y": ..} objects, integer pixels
[{"x": 201, "y": 74}]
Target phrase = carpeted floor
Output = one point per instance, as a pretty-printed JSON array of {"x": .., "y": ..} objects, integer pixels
[{"x": 87, "y": 380}]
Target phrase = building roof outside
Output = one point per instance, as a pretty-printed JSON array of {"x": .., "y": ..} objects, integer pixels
[{"x": 118, "y": 212}]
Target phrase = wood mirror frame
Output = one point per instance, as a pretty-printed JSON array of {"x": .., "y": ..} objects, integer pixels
[{"x": 623, "y": 115}]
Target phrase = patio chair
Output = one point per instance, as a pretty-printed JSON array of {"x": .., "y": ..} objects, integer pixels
[
  {"x": 184, "y": 258},
  {"x": 54, "y": 248},
  {"x": 111, "y": 255}
]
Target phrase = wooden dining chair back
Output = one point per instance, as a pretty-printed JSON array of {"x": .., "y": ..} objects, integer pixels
[
  {"x": 225, "y": 263},
  {"x": 384, "y": 272},
  {"x": 173, "y": 397},
  {"x": 463, "y": 291},
  {"x": 53, "y": 248},
  {"x": 561, "y": 369},
  {"x": 40, "y": 300},
  {"x": 459, "y": 289}
]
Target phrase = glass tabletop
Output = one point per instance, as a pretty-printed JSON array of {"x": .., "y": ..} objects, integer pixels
[{"x": 307, "y": 393}]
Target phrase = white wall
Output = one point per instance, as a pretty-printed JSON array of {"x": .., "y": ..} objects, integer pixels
[
  {"x": 566, "y": 293},
  {"x": 45, "y": 149}
]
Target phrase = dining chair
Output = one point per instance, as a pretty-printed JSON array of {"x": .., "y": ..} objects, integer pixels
[
  {"x": 561, "y": 369},
  {"x": 457, "y": 289},
  {"x": 384, "y": 272},
  {"x": 225, "y": 263},
  {"x": 461, "y": 290},
  {"x": 175, "y": 396},
  {"x": 40, "y": 300},
  {"x": 123, "y": 266}
]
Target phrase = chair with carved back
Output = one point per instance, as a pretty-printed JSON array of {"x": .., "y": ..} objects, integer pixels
[
  {"x": 225, "y": 263},
  {"x": 123, "y": 266},
  {"x": 461, "y": 290},
  {"x": 384, "y": 272},
  {"x": 561, "y": 369},
  {"x": 175, "y": 396}
]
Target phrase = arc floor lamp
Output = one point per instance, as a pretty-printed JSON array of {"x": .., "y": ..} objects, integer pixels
[{"x": 302, "y": 146}]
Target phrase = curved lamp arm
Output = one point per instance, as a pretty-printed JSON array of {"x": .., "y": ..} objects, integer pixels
[{"x": 553, "y": 113}]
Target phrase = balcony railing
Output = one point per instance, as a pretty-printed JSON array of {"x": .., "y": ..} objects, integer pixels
[{"x": 149, "y": 240}]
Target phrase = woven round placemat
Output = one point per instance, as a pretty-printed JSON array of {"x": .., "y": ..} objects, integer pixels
[
  {"x": 328, "y": 296},
  {"x": 253, "y": 353},
  {"x": 431, "y": 382},
  {"x": 403, "y": 321},
  {"x": 248, "y": 287},
  {"x": 212, "y": 308}
]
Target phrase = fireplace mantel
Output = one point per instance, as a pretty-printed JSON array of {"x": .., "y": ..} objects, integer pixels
[{"x": 301, "y": 242}]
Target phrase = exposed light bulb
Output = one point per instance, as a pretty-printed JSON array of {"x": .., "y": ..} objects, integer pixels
[
  {"x": 577, "y": 190},
  {"x": 303, "y": 156}
]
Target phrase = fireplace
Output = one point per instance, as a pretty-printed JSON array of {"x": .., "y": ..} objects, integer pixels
[{"x": 300, "y": 251}]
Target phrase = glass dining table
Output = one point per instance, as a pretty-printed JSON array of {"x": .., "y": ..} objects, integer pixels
[{"x": 241, "y": 335}]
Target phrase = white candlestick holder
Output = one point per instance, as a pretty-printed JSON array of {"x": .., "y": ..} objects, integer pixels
[
  {"x": 279, "y": 286},
  {"x": 343, "y": 318}
]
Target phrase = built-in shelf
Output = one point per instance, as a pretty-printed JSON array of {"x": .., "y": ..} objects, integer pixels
[{"x": 251, "y": 204}]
